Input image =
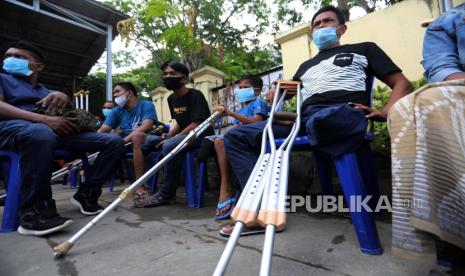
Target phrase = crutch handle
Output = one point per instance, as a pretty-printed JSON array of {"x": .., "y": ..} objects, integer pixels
[
  {"x": 284, "y": 118},
  {"x": 78, "y": 93},
  {"x": 287, "y": 116},
  {"x": 290, "y": 86}
]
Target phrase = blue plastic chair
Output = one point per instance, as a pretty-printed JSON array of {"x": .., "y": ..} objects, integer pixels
[
  {"x": 11, "y": 169},
  {"x": 194, "y": 194},
  {"x": 357, "y": 174},
  {"x": 74, "y": 173}
]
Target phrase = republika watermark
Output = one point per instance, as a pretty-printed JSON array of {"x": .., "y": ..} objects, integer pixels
[{"x": 331, "y": 203}]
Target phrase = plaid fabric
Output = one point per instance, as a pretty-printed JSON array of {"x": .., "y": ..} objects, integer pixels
[{"x": 83, "y": 119}]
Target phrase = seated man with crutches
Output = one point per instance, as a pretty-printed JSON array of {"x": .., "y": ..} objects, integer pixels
[
  {"x": 189, "y": 108},
  {"x": 36, "y": 136},
  {"x": 336, "y": 77},
  {"x": 135, "y": 119}
]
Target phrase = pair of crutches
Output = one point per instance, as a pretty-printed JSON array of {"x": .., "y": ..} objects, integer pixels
[
  {"x": 81, "y": 99},
  {"x": 63, "y": 248},
  {"x": 264, "y": 196}
]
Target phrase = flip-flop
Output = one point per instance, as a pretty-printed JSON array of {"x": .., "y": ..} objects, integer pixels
[
  {"x": 225, "y": 208},
  {"x": 249, "y": 231}
]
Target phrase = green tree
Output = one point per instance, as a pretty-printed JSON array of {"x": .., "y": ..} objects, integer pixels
[
  {"x": 190, "y": 30},
  {"x": 294, "y": 17},
  {"x": 199, "y": 33}
]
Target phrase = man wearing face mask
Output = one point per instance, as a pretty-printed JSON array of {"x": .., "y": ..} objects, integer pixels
[
  {"x": 135, "y": 119},
  {"x": 253, "y": 110},
  {"x": 36, "y": 136},
  {"x": 335, "y": 82},
  {"x": 107, "y": 108},
  {"x": 189, "y": 108}
]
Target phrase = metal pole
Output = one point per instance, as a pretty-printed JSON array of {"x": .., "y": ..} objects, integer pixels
[
  {"x": 109, "y": 59},
  {"x": 227, "y": 253},
  {"x": 267, "y": 250},
  {"x": 447, "y": 5},
  {"x": 36, "y": 5},
  {"x": 87, "y": 102},
  {"x": 74, "y": 84}
]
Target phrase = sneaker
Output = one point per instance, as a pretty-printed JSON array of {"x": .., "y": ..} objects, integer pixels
[
  {"x": 42, "y": 219},
  {"x": 156, "y": 200},
  {"x": 87, "y": 206},
  {"x": 40, "y": 226}
]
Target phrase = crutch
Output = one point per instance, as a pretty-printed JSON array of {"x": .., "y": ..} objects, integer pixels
[
  {"x": 90, "y": 158},
  {"x": 63, "y": 248},
  {"x": 246, "y": 210},
  {"x": 272, "y": 213},
  {"x": 66, "y": 170},
  {"x": 78, "y": 99}
]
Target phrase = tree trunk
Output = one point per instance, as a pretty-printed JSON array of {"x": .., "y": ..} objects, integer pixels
[{"x": 342, "y": 6}]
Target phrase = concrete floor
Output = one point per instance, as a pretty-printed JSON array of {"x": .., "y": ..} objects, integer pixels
[{"x": 176, "y": 240}]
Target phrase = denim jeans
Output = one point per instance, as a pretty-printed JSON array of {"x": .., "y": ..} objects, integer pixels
[
  {"x": 36, "y": 142},
  {"x": 174, "y": 166},
  {"x": 444, "y": 45},
  {"x": 242, "y": 145}
]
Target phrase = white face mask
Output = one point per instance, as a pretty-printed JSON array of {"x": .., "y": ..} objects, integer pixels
[{"x": 121, "y": 100}]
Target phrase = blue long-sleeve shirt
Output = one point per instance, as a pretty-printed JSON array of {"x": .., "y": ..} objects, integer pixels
[{"x": 444, "y": 45}]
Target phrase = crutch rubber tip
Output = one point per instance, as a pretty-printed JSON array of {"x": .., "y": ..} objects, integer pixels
[{"x": 61, "y": 249}]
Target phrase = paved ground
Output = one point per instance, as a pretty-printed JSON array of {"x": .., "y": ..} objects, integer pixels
[{"x": 176, "y": 240}]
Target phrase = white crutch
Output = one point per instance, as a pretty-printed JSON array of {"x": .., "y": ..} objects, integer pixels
[
  {"x": 268, "y": 170},
  {"x": 63, "y": 248}
]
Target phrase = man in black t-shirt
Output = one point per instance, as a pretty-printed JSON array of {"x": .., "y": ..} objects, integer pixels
[
  {"x": 338, "y": 78},
  {"x": 189, "y": 108}
]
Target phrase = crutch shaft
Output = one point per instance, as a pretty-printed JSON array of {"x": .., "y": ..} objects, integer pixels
[
  {"x": 227, "y": 253},
  {"x": 267, "y": 254},
  {"x": 63, "y": 248}
]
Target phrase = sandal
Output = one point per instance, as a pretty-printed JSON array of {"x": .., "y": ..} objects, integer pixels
[
  {"x": 139, "y": 198},
  {"x": 246, "y": 231},
  {"x": 225, "y": 208}
]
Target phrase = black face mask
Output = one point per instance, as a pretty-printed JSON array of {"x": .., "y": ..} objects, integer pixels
[{"x": 172, "y": 83}]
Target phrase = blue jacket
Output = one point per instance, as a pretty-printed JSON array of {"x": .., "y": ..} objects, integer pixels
[{"x": 444, "y": 45}]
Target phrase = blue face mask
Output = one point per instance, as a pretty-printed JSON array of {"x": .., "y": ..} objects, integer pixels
[
  {"x": 245, "y": 94},
  {"x": 17, "y": 66},
  {"x": 106, "y": 112},
  {"x": 121, "y": 100},
  {"x": 325, "y": 37}
]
